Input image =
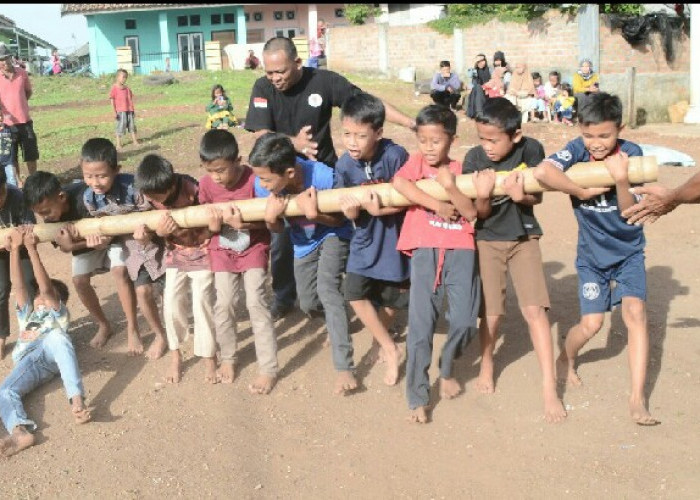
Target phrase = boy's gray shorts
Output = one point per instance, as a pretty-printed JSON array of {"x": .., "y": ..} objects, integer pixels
[{"x": 125, "y": 122}]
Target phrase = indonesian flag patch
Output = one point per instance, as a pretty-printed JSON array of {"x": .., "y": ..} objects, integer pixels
[{"x": 259, "y": 102}]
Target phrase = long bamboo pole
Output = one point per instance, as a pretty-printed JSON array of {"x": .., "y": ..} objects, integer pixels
[{"x": 593, "y": 174}]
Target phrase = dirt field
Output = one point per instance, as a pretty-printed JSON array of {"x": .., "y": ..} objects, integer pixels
[{"x": 194, "y": 440}]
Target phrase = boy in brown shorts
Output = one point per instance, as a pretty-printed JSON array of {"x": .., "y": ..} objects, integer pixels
[{"x": 507, "y": 237}]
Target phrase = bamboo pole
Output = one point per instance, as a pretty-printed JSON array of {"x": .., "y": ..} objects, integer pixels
[{"x": 593, "y": 174}]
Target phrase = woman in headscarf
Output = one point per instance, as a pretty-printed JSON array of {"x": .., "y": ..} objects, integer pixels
[
  {"x": 499, "y": 59},
  {"x": 585, "y": 81},
  {"x": 521, "y": 90}
]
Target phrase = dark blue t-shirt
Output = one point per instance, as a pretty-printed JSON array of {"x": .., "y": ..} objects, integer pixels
[
  {"x": 373, "y": 246},
  {"x": 604, "y": 237},
  {"x": 305, "y": 234}
]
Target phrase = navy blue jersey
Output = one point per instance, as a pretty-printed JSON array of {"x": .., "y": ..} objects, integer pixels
[
  {"x": 604, "y": 237},
  {"x": 373, "y": 246}
]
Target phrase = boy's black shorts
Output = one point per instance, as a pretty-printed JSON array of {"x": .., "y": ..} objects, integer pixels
[
  {"x": 381, "y": 293},
  {"x": 144, "y": 278},
  {"x": 26, "y": 139}
]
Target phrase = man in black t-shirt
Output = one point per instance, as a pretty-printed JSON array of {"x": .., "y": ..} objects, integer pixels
[{"x": 298, "y": 101}]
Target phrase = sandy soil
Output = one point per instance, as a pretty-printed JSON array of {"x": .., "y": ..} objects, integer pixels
[{"x": 195, "y": 440}]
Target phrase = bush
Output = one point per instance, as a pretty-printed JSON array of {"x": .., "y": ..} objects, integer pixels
[{"x": 357, "y": 13}]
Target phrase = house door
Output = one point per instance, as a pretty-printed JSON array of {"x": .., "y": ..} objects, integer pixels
[
  {"x": 191, "y": 51},
  {"x": 225, "y": 38}
]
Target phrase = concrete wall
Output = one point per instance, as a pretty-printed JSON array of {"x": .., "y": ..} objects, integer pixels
[{"x": 546, "y": 44}]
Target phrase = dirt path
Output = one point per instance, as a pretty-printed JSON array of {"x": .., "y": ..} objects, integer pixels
[{"x": 195, "y": 440}]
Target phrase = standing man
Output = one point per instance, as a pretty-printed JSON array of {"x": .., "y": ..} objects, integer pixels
[
  {"x": 15, "y": 91},
  {"x": 298, "y": 101}
]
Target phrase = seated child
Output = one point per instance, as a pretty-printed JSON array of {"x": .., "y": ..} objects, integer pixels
[
  {"x": 8, "y": 153},
  {"x": 609, "y": 249},
  {"x": 495, "y": 87},
  {"x": 376, "y": 279},
  {"x": 439, "y": 237},
  {"x": 110, "y": 192},
  {"x": 43, "y": 349},
  {"x": 564, "y": 105},
  {"x": 507, "y": 237},
  {"x": 551, "y": 89},
  {"x": 187, "y": 264},
  {"x": 13, "y": 212},
  {"x": 320, "y": 240},
  {"x": 540, "y": 106},
  {"x": 220, "y": 110},
  {"x": 239, "y": 252}
]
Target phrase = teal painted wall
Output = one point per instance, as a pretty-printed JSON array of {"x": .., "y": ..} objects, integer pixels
[{"x": 107, "y": 31}]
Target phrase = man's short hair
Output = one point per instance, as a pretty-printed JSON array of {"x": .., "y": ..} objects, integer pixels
[
  {"x": 444, "y": 64},
  {"x": 99, "y": 149},
  {"x": 436, "y": 114},
  {"x": 218, "y": 144},
  {"x": 40, "y": 186},
  {"x": 364, "y": 108},
  {"x": 600, "y": 107},
  {"x": 274, "y": 151},
  {"x": 284, "y": 44},
  {"x": 154, "y": 175},
  {"x": 501, "y": 113}
]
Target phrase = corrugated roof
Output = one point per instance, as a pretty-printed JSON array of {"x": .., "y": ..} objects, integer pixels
[
  {"x": 6, "y": 21},
  {"x": 96, "y": 8}
]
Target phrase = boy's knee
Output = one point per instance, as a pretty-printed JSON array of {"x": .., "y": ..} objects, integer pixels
[
  {"x": 120, "y": 273},
  {"x": 634, "y": 311},
  {"x": 144, "y": 293},
  {"x": 591, "y": 325},
  {"x": 82, "y": 281}
]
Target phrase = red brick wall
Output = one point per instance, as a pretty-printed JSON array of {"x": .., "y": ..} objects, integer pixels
[{"x": 354, "y": 48}]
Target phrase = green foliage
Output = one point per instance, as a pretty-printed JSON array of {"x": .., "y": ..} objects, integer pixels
[
  {"x": 622, "y": 8},
  {"x": 357, "y": 13}
]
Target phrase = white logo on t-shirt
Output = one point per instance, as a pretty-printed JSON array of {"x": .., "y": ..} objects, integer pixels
[
  {"x": 315, "y": 100},
  {"x": 564, "y": 155},
  {"x": 591, "y": 291}
]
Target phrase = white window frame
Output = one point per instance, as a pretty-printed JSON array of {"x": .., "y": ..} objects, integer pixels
[{"x": 135, "y": 55}]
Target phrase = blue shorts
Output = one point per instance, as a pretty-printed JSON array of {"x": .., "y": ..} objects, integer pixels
[{"x": 595, "y": 291}]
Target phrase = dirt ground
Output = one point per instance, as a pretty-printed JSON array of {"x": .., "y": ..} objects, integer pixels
[{"x": 192, "y": 440}]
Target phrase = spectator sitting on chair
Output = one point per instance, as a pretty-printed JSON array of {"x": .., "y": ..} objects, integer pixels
[
  {"x": 252, "y": 61},
  {"x": 446, "y": 86},
  {"x": 521, "y": 90}
]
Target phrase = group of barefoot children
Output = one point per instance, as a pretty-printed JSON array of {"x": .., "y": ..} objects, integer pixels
[{"x": 377, "y": 258}]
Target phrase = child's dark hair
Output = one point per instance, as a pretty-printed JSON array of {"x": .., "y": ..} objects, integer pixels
[
  {"x": 536, "y": 76},
  {"x": 557, "y": 74},
  {"x": 364, "y": 108},
  {"x": 501, "y": 113},
  {"x": 154, "y": 175},
  {"x": 567, "y": 87},
  {"x": 274, "y": 151},
  {"x": 40, "y": 186},
  {"x": 219, "y": 87},
  {"x": 218, "y": 144},
  {"x": 122, "y": 70},
  {"x": 61, "y": 290},
  {"x": 445, "y": 64},
  {"x": 99, "y": 149},
  {"x": 436, "y": 114},
  {"x": 600, "y": 107}
]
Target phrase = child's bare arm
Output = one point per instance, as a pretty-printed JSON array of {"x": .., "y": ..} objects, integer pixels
[
  {"x": 274, "y": 208},
  {"x": 372, "y": 203},
  {"x": 550, "y": 176},
  {"x": 514, "y": 186},
  {"x": 617, "y": 165},
  {"x": 68, "y": 240},
  {"x": 417, "y": 196},
  {"x": 463, "y": 203},
  {"x": 233, "y": 217},
  {"x": 13, "y": 243},
  {"x": 308, "y": 203},
  {"x": 484, "y": 181},
  {"x": 43, "y": 280}
]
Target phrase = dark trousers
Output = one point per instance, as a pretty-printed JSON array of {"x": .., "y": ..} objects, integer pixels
[
  {"x": 6, "y": 286},
  {"x": 282, "y": 264},
  {"x": 449, "y": 99}
]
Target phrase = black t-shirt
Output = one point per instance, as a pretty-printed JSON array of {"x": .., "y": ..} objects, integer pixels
[
  {"x": 508, "y": 221},
  {"x": 309, "y": 102},
  {"x": 76, "y": 208}
]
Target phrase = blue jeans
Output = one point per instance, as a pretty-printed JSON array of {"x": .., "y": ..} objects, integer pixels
[
  {"x": 319, "y": 283},
  {"x": 53, "y": 355},
  {"x": 282, "y": 264}
]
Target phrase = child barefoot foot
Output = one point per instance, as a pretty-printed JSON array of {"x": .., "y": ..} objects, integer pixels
[
  {"x": 554, "y": 411},
  {"x": 226, "y": 373},
  {"x": 393, "y": 362},
  {"x": 449, "y": 388},
  {"x": 640, "y": 414},
  {"x": 484, "y": 384},
  {"x": 210, "y": 371},
  {"x": 172, "y": 376},
  {"x": 81, "y": 413},
  {"x": 134, "y": 344},
  {"x": 157, "y": 348},
  {"x": 104, "y": 332},
  {"x": 419, "y": 415},
  {"x": 375, "y": 354},
  {"x": 262, "y": 384},
  {"x": 344, "y": 383},
  {"x": 19, "y": 440},
  {"x": 566, "y": 372}
]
